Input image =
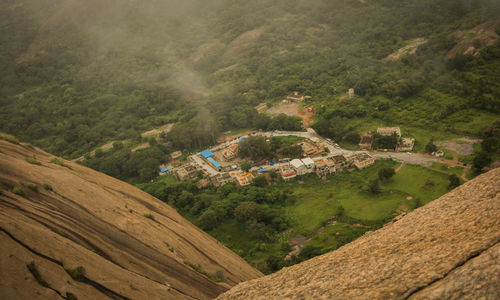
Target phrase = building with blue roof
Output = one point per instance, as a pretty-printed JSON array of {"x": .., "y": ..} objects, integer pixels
[
  {"x": 207, "y": 153},
  {"x": 214, "y": 163}
]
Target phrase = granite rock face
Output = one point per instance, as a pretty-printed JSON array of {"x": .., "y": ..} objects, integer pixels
[
  {"x": 448, "y": 249},
  {"x": 57, "y": 215}
]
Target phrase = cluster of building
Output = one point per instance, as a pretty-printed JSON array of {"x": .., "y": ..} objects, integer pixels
[
  {"x": 404, "y": 144},
  {"x": 324, "y": 166},
  {"x": 222, "y": 160}
]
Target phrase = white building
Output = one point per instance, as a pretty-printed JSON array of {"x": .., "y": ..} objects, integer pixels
[
  {"x": 299, "y": 166},
  {"x": 309, "y": 163}
]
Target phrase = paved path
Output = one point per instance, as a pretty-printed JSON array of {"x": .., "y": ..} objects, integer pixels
[
  {"x": 211, "y": 171},
  {"x": 404, "y": 157}
]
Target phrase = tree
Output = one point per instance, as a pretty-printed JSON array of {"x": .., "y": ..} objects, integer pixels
[
  {"x": 430, "y": 147},
  {"x": 245, "y": 166},
  {"x": 481, "y": 160},
  {"x": 373, "y": 186},
  {"x": 255, "y": 147},
  {"x": 248, "y": 211},
  {"x": 352, "y": 138},
  {"x": 272, "y": 263},
  {"x": 490, "y": 144},
  {"x": 386, "y": 173},
  {"x": 260, "y": 181},
  {"x": 454, "y": 181},
  {"x": 208, "y": 220}
]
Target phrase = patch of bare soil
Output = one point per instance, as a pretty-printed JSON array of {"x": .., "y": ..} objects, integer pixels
[
  {"x": 243, "y": 42},
  {"x": 293, "y": 109},
  {"x": 411, "y": 48},
  {"x": 462, "y": 146},
  {"x": 165, "y": 128},
  {"x": 297, "y": 244},
  {"x": 306, "y": 116},
  {"x": 202, "y": 51},
  {"x": 228, "y": 68},
  {"x": 289, "y": 109},
  {"x": 471, "y": 42}
]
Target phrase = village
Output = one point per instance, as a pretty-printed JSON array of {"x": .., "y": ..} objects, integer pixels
[{"x": 221, "y": 164}]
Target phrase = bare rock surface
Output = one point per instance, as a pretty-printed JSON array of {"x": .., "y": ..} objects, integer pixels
[
  {"x": 58, "y": 215},
  {"x": 448, "y": 249}
]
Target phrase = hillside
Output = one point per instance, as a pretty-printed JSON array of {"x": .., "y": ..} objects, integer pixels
[
  {"x": 117, "y": 241},
  {"x": 448, "y": 249},
  {"x": 76, "y": 75}
]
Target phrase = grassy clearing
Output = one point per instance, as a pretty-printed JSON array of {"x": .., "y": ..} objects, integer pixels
[
  {"x": 335, "y": 236},
  {"x": 237, "y": 131},
  {"x": 289, "y": 140},
  {"x": 316, "y": 201},
  {"x": 420, "y": 183}
]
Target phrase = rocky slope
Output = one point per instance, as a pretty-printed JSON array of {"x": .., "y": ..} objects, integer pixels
[
  {"x": 448, "y": 249},
  {"x": 57, "y": 216}
]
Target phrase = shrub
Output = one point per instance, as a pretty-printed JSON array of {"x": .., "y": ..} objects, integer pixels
[
  {"x": 430, "y": 147},
  {"x": 47, "y": 186},
  {"x": 31, "y": 186},
  {"x": 454, "y": 181},
  {"x": 19, "y": 191},
  {"x": 32, "y": 160},
  {"x": 386, "y": 173},
  {"x": 71, "y": 296},
  {"x": 149, "y": 216},
  {"x": 199, "y": 269},
  {"x": 60, "y": 163},
  {"x": 77, "y": 273},
  {"x": 34, "y": 270}
]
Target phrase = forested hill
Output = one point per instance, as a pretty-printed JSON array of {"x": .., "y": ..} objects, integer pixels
[{"x": 76, "y": 74}]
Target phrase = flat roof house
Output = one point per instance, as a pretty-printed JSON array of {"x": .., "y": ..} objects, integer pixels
[
  {"x": 363, "y": 160},
  {"x": 287, "y": 172},
  {"x": 389, "y": 131},
  {"x": 308, "y": 162},
  {"x": 299, "y": 166}
]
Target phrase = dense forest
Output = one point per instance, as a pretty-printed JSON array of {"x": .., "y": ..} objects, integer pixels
[{"x": 75, "y": 75}]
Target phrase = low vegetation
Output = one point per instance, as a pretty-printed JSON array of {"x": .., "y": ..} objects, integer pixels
[
  {"x": 9, "y": 138},
  {"x": 19, "y": 191},
  {"x": 32, "y": 186},
  {"x": 34, "y": 271},
  {"x": 218, "y": 277},
  {"x": 47, "y": 187},
  {"x": 33, "y": 160},
  {"x": 77, "y": 273},
  {"x": 59, "y": 162},
  {"x": 149, "y": 216}
]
